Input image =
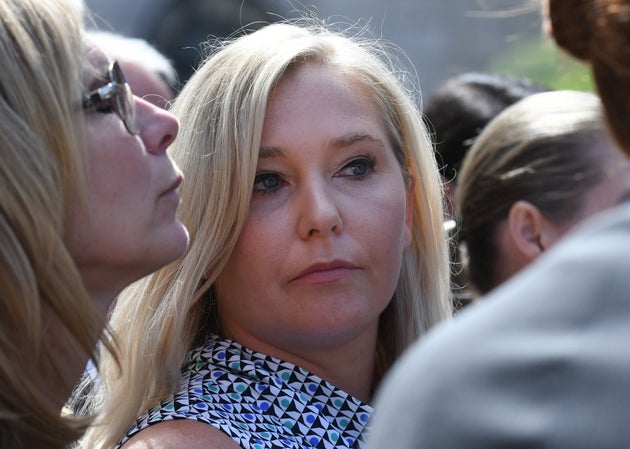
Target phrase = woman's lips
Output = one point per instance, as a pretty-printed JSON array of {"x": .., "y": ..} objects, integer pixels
[
  {"x": 173, "y": 187},
  {"x": 322, "y": 273}
]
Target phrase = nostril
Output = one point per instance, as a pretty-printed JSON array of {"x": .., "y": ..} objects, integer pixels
[
  {"x": 168, "y": 139},
  {"x": 162, "y": 131},
  {"x": 334, "y": 226}
]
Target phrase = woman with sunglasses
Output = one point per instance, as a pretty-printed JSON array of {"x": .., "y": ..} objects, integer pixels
[{"x": 87, "y": 206}]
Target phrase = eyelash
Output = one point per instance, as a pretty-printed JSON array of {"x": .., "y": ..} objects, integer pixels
[
  {"x": 260, "y": 178},
  {"x": 368, "y": 162}
]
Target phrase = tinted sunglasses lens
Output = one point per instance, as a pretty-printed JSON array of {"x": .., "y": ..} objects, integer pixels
[{"x": 124, "y": 99}]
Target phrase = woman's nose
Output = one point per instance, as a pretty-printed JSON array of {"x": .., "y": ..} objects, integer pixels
[
  {"x": 319, "y": 214},
  {"x": 158, "y": 127}
]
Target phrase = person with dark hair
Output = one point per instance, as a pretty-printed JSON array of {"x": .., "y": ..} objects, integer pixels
[
  {"x": 543, "y": 361},
  {"x": 459, "y": 109},
  {"x": 456, "y": 112}
]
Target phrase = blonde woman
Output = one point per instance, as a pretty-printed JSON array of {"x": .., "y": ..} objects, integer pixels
[
  {"x": 87, "y": 206},
  {"x": 317, "y": 253}
]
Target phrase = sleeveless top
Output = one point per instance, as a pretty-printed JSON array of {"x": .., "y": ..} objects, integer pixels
[{"x": 260, "y": 402}]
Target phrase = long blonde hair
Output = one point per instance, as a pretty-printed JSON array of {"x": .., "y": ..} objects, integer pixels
[
  {"x": 222, "y": 111},
  {"x": 42, "y": 171}
]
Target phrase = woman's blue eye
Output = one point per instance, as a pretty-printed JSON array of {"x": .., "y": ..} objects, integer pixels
[
  {"x": 358, "y": 168},
  {"x": 267, "y": 182}
]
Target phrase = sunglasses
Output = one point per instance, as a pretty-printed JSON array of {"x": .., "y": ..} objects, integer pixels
[{"x": 117, "y": 95}]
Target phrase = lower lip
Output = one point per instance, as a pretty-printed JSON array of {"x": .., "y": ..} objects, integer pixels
[{"x": 324, "y": 277}]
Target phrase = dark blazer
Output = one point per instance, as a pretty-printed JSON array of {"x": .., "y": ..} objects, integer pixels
[{"x": 542, "y": 362}]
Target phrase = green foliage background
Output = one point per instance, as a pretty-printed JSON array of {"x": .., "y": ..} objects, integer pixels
[{"x": 539, "y": 59}]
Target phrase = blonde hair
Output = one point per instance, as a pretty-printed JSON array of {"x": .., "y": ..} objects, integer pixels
[
  {"x": 42, "y": 171},
  {"x": 222, "y": 111}
]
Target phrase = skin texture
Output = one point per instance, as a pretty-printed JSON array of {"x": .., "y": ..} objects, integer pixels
[
  {"x": 130, "y": 228},
  {"x": 179, "y": 434},
  {"x": 328, "y": 191}
]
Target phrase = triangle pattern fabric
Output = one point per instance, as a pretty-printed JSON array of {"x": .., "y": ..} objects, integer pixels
[{"x": 261, "y": 402}]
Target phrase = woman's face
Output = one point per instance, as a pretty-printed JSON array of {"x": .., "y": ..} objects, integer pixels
[
  {"x": 320, "y": 254},
  {"x": 130, "y": 228}
]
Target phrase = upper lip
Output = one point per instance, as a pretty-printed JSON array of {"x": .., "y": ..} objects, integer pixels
[
  {"x": 174, "y": 185},
  {"x": 324, "y": 266}
]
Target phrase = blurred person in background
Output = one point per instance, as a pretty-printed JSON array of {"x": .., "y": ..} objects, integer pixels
[
  {"x": 539, "y": 168},
  {"x": 459, "y": 109},
  {"x": 149, "y": 72},
  {"x": 456, "y": 112},
  {"x": 542, "y": 362}
]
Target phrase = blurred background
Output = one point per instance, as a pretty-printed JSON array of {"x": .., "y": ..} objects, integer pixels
[{"x": 441, "y": 38}]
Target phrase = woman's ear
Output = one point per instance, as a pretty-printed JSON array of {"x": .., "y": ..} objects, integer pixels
[{"x": 530, "y": 231}]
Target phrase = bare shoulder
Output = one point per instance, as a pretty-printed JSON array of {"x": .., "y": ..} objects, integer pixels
[{"x": 181, "y": 433}]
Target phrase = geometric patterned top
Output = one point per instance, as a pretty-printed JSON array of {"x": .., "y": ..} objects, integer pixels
[{"x": 260, "y": 401}]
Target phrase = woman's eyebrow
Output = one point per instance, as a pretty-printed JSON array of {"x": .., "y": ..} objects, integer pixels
[
  {"x": 354, "y": 137},
  {"x": 271, "y": 152},
  {"x": 268, "y": 152}
]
